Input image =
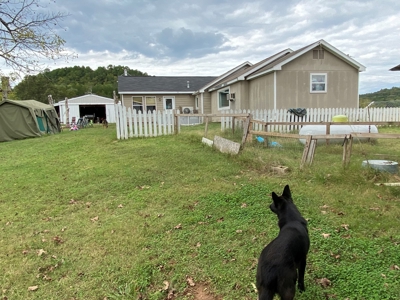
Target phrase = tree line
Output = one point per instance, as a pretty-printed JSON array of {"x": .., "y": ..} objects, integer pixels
[
  {"x": 71, "y": 82},
  {"x": 382, "y": 98}
]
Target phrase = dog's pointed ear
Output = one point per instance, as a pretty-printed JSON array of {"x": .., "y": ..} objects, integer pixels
[
  {"x": 277, "y": 200},
  {"x": 286, "y": 192}
]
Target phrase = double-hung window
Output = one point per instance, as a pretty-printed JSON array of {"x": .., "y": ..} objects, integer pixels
[
  {"x": 137, "y": 103},
  {"x": 318, "y": 82},
  {"x": 150, "y": 103}
]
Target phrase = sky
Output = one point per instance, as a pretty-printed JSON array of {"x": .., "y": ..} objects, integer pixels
[{"x": 210, "y": 37}]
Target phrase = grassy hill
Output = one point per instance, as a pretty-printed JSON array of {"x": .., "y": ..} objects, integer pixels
[{"x": 382, "y": 98}]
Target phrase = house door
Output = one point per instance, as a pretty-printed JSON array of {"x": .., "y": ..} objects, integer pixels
[{"x": 168, "y": 103}]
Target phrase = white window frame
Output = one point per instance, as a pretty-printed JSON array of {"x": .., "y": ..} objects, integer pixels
[
  {"x": 155, "y": 103},
  {"x": 227, "y": 92},
  {"x": 137, "y": 106},
  {"x": 165, "y": 104},
  {"x": 325, "y": 82}
]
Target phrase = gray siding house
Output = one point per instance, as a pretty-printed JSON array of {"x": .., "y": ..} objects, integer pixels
[
  {"x": 315, "y": 76},
  {"x": 162, "y": 92}
]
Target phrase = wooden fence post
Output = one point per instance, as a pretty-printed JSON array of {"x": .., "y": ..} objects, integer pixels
[
  {"x": 347, "y": 147},
  {"x": 206, "y": 128}
]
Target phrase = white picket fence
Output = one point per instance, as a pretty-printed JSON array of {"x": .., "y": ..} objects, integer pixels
[
  {"x": 372, "y": 114},
  {"x": 131, "y": 123}
]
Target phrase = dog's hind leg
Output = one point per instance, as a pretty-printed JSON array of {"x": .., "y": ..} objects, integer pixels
[
  {"x": 265, "y": 294},
  {"x": 302, "y": 269}
]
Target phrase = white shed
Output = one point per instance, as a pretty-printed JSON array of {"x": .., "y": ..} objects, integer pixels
[{"x": 88, "y": 105}]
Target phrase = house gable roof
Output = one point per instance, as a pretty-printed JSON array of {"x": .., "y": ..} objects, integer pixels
[
  {"x": 396, "y": 68},
  {"x": 241, "y": 75},
  {"x": 162, "y": 84},
  {"x": 87, "y": 99},
  {"x": 277, "y": 65},
  {"x": 233, "y": 72}
]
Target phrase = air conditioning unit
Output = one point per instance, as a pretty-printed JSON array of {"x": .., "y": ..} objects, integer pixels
[
  {"x": 187, "y": 110},
  {"x": 232, "y": 97}
]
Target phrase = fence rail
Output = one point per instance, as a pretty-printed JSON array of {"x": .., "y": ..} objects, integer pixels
[
  {"x": 372, "y": 114},
  {"x": 131, "y": 123}
]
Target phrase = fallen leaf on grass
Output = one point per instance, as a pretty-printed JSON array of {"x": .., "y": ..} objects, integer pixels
[
  {"x": 40, "y": 252},
  {"x": 25, "y": 252},
  {"x": 337, "y": 256},
  {"x": 383, "y": 275},
  {"x": 72, "y": 201},
  {"x": 324, "y": 282},
  {"x": 88, "y": 204},
  {"x": 323, "y": 212},
  {"x": 220, "y": 220},
  {"x": 374, "y": 208},
  {"x": 170, "y": 295},
  {"x": 345, "y": 226},
  {"x": 244, "y": 205},
  {"x": 58, "y": 240},
  {"x": 120, "y": 206},
  {"x": 33, "y": 288},
  {"x": 190, "y": 281},
  {"x": 324, "y": 206},
  {"x": 45, "y": 277},
  {"x": 239, "y": 231},
  {"x": 166, "y": 285},
  {"x": 179, "y": 226},
  {"x": 394, "y": 267},
  {"x": 326, "y": 235},
  {"x": 94, "y": 219},
  {"x": 143, "y": 187},
  {"x": 160, "y": 215},
  {"x": 198, "y": 245},
  {"x": 63, "y": 229}
]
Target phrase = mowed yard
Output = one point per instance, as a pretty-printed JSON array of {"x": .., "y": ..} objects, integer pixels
[{"x": 85, "y": 216}]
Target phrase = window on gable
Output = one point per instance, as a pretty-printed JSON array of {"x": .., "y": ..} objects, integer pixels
[
  {"x": 318, "y": 82},
  {"x": 318, "y": 54},
  {"x": 223, "y": 99}
]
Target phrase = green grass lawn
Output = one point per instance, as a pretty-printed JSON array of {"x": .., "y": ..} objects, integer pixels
[{"x": 85, "y": 216}]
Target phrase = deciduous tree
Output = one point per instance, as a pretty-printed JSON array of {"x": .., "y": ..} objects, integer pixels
[{"x": 28, "y": 35}]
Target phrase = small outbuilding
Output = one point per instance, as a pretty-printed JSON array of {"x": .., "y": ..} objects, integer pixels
[
  {"x": 26, "y": 118},
  {"x": 95, "y": 107}
]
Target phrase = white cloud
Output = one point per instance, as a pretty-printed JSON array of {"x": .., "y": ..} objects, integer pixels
[{"x": 209, "y": 37}]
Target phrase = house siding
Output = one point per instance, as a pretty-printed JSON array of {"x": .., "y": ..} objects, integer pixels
[
  {"x": 181, "y": 100},
  {"x": 261, "y": 92},
  {"x": 207, "y": 102},
  {"x": 293, "y": 83}
]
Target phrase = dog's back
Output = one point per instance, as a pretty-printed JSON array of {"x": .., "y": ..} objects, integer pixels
[
  {"x": 105, "y": 123},
  {"x": 280, "y": 259}
]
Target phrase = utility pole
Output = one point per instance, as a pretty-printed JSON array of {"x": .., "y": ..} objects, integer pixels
[{"x": 67, "y": 111}]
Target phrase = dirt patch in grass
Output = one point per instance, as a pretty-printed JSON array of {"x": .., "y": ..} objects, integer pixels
[{"x": 200, "y": 292}]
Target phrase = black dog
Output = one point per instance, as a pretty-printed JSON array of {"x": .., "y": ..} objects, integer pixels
[{"x": 287, "y": 253}]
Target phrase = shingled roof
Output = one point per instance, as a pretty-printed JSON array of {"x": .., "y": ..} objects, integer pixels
[
  {"x": 173, "y": 84},
  {"x": 396, "y": 68}
]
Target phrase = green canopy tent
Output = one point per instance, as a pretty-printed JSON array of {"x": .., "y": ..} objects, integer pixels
[{"x": 27, "y": 118}]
